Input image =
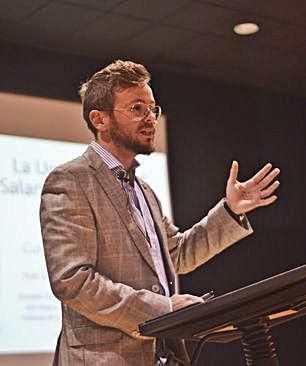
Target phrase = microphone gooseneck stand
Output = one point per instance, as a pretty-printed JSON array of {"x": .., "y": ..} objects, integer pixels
[{"x": 257, "y": 343}]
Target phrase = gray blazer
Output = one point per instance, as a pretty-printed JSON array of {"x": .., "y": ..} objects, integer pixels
[{"x": 100, "y": 266}]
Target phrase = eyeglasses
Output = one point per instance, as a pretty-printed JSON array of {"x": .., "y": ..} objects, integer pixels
[{"x": 139, "y": 111}]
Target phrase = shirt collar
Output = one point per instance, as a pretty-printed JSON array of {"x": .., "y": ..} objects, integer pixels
[{"x": 114, "y": 164}]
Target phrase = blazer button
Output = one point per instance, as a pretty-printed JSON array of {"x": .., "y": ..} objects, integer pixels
[{"x": 155, "y": 288}]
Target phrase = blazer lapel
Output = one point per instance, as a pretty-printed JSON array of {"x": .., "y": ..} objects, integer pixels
[{"x": 118, "y": 198}]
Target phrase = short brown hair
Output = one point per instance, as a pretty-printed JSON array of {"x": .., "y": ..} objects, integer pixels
[{"x": 98, "y": 91}]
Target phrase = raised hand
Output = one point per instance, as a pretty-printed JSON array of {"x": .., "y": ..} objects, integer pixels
[{"x": 243, "y": 197}]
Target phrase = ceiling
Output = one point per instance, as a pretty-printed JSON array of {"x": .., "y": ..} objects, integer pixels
[{"x": 189, "y": 36}]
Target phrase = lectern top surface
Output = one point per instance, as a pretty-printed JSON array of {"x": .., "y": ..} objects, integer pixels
[{"x": 274, "y": 293}]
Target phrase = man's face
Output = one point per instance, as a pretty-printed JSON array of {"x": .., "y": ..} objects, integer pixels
[{"x": 126, "y": 131}]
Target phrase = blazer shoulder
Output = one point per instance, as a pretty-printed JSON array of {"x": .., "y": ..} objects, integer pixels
[
  {"x": 79, "y": 166},
  {"x": 73, "y": 167}
]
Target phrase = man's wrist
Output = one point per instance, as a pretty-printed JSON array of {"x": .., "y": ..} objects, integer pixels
[{"x": 240, "y": 218}]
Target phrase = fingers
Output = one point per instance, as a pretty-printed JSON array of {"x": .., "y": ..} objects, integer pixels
[
  {"x": 261, "y": 179},
  {"x": 268, "y": 191},
  {"x": 262, "y": 173},
  {"x": 268, "y": 201},
  {"x": 180, "y": 301},
  {"x": 268, "y": 179},
  {"x": 233, "y": 172}
]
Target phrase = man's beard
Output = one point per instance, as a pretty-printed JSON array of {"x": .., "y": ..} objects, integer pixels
[{"x": 121, "y": 138}]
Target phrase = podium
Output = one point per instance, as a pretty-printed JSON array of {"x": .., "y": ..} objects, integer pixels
[{"x": 247, "y": 314}]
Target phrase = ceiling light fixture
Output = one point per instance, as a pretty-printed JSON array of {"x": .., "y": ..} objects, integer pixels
[{"x": 246, "y": 29}]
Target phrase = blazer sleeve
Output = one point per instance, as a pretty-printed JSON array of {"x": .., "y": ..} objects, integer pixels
[
  {"x": 70, "y": 244},
  {"x": 214, "y": 233}
]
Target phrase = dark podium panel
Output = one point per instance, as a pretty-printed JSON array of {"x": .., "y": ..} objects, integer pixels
[{"x": 247, "y": 314}]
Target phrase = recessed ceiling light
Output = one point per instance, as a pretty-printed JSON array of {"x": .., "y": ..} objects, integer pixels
[{"x": 246, "y": 29}]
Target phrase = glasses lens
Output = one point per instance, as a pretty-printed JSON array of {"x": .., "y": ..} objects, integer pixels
[{"x": 141, "y": 111}]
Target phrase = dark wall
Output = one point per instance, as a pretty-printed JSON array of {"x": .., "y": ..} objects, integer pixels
[
  {"x": 210, "y": 124},
  {"x": 41, "y": 73}
]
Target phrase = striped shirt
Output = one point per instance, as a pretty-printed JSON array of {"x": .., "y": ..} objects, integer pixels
[{"x": 140, "y": 209}]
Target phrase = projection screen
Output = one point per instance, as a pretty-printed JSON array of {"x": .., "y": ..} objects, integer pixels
[{"x": 37, "y": 134}]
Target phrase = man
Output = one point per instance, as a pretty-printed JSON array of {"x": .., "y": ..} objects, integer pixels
[{"x": 110, "y": 252}]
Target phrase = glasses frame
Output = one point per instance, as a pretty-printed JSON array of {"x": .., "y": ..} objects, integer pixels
[{"x": 150, "y": 109}]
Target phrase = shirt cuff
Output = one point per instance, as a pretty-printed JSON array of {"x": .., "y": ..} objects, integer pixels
[{"x": 241, "y": 219}]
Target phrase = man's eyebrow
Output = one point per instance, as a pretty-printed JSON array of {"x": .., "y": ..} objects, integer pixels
[{"x": 139, "y": 100}]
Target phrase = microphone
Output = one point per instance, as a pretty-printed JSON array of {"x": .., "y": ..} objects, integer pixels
[{"x": 123, "y": 176}]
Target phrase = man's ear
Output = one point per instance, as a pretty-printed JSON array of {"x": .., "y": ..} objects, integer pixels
[{"x": 99, "y": 119}]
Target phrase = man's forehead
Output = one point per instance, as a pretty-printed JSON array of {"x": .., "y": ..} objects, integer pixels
[{"x": 133, "y": 94}]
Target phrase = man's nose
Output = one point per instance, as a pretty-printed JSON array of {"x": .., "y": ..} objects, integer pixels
[{"x": 150, "y": 116}]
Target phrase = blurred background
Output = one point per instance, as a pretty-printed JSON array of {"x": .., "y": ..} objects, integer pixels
[{"x": 224, "y": 96}]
